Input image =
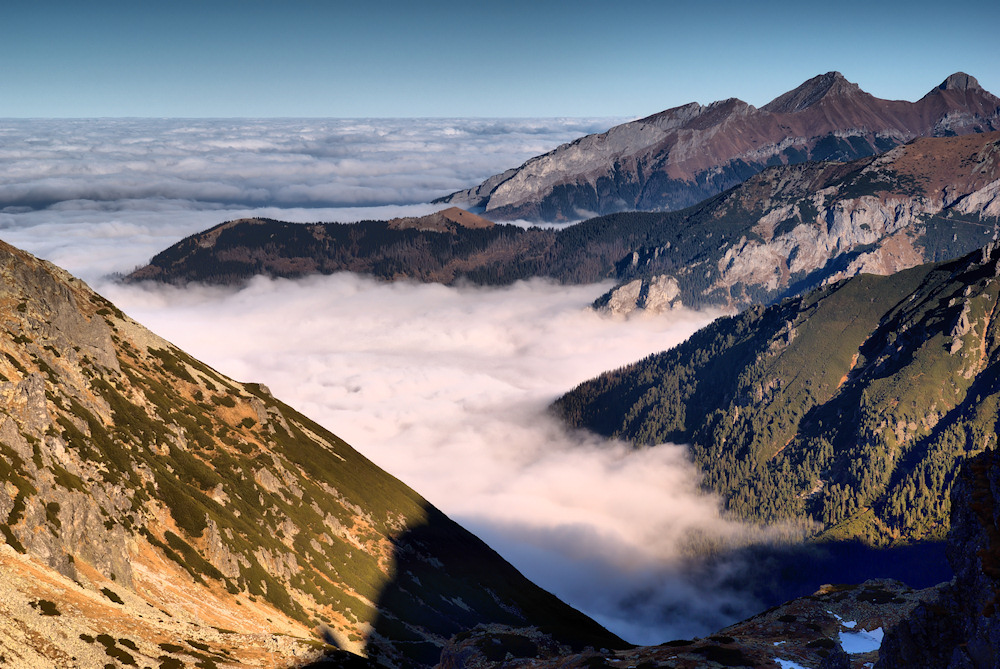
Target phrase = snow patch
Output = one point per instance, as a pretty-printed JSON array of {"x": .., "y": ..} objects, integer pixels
[
  {"x": 788, "y": 664},
  {"x": 861, "y": 642}
]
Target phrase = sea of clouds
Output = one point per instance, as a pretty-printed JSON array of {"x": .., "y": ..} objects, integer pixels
[
  {"x": 445, "y": 387},
  {"x": 104, "y": 195}
]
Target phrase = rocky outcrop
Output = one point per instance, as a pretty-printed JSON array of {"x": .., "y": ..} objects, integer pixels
[
  {"x": 446, "y": 220},
  {"x": 681, "y": 156},
  {"x": 838, "y": 627},
  {"x": 654, "y": 295},
  {"x": 959, "y": 627},
  {"x": 146, "y": 496}
]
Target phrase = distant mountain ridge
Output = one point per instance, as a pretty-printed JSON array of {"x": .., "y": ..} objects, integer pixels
[
  {"x": 785, "y": 230},
  {"x": 155, "y": 512},
  {"x": 681, "y": 156}
]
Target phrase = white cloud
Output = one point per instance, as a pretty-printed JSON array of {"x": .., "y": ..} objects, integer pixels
[
  {"x": 62, "y": 182},
  {"x": 246, "y": 163},
  {"x": 448, "y": 389}
]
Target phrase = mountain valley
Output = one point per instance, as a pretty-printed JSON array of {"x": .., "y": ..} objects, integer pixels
[
  {"x": 853, "y": 406},
  {"x": 843, "y": 413}
]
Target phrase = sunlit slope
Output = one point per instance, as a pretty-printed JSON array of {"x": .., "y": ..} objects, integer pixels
[
  {"x": 852, "y": 406},
  {"x": 683, "y": 155},
  {"x": 128, "y": 464}
]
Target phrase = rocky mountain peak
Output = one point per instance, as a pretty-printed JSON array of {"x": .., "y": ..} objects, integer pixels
[
  {"x": 831, "y": 84},
  {"x": 960, "y": 81},
  {"x": 681, "y": 156}
]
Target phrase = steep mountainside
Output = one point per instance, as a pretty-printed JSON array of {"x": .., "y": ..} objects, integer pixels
[
  {"x": 154, "y": 510},
  {"x": 791, "y": 228},
  {"x": 959, "y": 624},
  {"x": 681, "y": 156},
  {"x": 852, "y": 406},
  {"x": 782, "y": 231}
]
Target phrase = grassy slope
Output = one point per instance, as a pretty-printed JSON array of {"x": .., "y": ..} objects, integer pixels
[{"x": 852, "y": 406}]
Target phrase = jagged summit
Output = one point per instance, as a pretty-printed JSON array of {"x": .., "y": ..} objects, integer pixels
[
  {"x": 824, "y": 86},
  {"x": 960, "y": 81},
  {"x": 681, "y": 156}
]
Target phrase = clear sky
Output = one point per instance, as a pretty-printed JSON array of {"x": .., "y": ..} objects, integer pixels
[{"x": 521, "y": 58}]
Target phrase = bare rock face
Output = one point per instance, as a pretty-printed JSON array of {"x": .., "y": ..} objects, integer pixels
[
  {"x": 654, "y": 295},
  {"x": 681, "y": 156},
  {"x": 801, "y": 226}
]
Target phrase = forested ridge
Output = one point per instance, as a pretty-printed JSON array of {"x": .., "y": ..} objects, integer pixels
[{"x": 852, "y": 406}]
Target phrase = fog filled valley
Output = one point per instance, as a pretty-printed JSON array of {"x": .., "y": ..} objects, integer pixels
[
  {"x": 446, "y": 388},
  {"x": 449, "y": 388}
]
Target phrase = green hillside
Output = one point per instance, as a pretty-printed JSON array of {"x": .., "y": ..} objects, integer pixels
[{"x": 852, "y": 406}]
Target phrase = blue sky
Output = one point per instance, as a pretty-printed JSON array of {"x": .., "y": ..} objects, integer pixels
[{"x": 388, "y": 58}]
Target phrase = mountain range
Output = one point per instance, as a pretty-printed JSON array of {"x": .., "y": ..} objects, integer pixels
[
  {"x": 157, "y": 512},
  {"x": 782, "y": 231},
  {"x": 681, "y": 156}
]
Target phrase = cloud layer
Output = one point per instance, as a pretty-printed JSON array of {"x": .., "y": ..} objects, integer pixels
[
  {"x": 127, "y": 188},
  {"x": 447, "y": 388}
]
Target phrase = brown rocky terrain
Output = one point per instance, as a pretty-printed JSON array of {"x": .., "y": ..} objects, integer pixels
[
  {"x": 681, "y": 156},
  {"x": 795, "y": 227},
  {"x": 157, "y": 513},
  {"x": 817, "y": 631},
  {"x": 446, "y": 220}
]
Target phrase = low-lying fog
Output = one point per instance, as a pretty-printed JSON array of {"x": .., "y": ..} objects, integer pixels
[{"x": 446, "y": 388}]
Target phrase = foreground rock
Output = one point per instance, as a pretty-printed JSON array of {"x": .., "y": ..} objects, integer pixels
[
  {"x": 960, "y": 626},
  {"x": 838, "y": 627}
]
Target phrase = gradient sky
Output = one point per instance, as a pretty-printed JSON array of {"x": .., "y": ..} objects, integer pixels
[{"x": 513, "y": 58}]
